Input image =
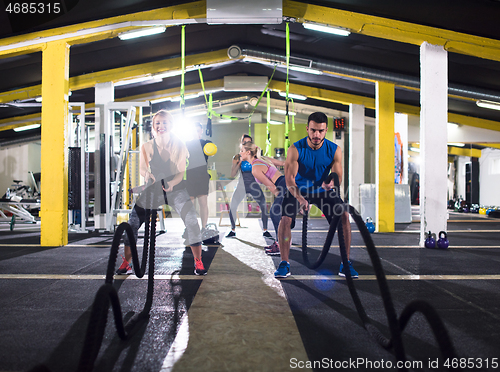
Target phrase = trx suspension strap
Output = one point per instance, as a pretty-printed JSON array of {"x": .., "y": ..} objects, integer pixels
[
  {"x": 287, "y": 140},
  {"x": 183, "y": 64},
  {"x": 268, "y": 129},
  {"x": 208, "y": 103}
]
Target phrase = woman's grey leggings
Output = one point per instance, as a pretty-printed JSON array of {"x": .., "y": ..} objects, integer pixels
[
  {"x": 182, "y": 204},
  {"x": 239, "y": 194}
]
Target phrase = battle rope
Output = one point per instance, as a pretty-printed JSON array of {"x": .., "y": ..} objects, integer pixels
[
  {"x": 396, "y": 326},
  {"x": 107, "y": 295}
]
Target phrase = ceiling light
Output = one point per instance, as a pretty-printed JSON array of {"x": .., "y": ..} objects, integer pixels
[
  {"x": 452, "y": 126},
  {"x": 142, "y": 32},
  {"x": 38, "y": 99},
  {"x": 167, "y": 74},
  {"x": 328, "y": 29},
  {"x": 275, "y": 122},
  {"x": 224, "y": 121},
  {"x": 159, "y": 100},
  {"x": 283, "y": 112},
  {"x": 300, "y": 97},
  {"x": 26, "y": 127},
  {"x": 137, "y": 80},
  {"x": 306, "y": 70},
  {"x": 415, "y": 149},
  {"x": 187, "y": 96},
  {"x": 458, "y": 144},
  {"x": 488, "y": 104}
]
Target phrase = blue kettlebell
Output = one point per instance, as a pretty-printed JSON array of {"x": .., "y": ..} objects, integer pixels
[
  {"x": 430, "y": 242},
  {"x": 443, "y": 242},
  {"x": 370, "y": 225},
  {"x": 246, "y": 166}
]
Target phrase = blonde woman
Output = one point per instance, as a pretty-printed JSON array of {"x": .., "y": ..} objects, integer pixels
[
  {"x": 162, "y": 164},
  {"x": 267, "y": 174}
]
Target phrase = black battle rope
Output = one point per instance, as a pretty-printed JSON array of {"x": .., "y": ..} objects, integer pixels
[
  {"x": 107, "y": 293},
  {"x": 396, "y": 326}
]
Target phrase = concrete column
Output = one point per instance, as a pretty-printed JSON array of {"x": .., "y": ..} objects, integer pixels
[
  {"x": 433, "y": 139},
  {"x": 104, "y": 94},
  {"x": 54, "y": 159},
  {"x": 384, "y": 157},
  {"x": 401, "y": 127},
  {"x": 356, "y": 152}
]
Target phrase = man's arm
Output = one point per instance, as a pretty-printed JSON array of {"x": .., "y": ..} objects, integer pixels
[{"x": 337, "y": 168}]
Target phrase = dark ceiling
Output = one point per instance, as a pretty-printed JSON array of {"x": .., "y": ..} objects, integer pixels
[{"x": 358, "y": 52}]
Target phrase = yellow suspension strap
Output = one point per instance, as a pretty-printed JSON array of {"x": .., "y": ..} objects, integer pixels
[
  {"x": 268, "y": 126},
  {"x": 260, "y": 98},
  {"x": 287, "y": 140},
  {"x": 183, "y": 65},
  {"x": 209, "y": 104}
]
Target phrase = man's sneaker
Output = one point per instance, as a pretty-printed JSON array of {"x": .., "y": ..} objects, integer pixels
[
  {"x": 273, "y": 249},
  {"x": 125, "y": 268},
  {"x": 354, "y": 273},
  {"x": 267, "y": 234},
  {"x": 283, "y": 270},
  {"x": 231, "y": 234},
  {"x": 199, "y": 269}
]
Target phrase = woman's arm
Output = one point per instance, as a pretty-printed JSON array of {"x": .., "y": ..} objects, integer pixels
[
  {"x": 258, "y": 171},
  {"x": 180, "y": 169},
  {"x": 144, "y": 159},
  {"x": 236, "y": 165}
]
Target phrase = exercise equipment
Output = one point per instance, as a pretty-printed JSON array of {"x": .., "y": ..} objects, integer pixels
[
  {"x": 442, "y": 242},
  {"x": 210, "y": 235},
  {"x": 370, "y": 225},
  {"x": 395, "y": 325},
  {"x": 210, "y": 149},
  {"x": 430, "y": 241},
  {"x": 246, "y": 166}
]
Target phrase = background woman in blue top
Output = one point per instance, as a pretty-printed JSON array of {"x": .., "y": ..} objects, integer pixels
[
  {"x": 308, "y": 163},
  {"x": 246, "y": 185}
]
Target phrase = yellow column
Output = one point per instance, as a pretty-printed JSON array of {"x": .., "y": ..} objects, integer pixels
[
  {"x": 384, "y": 162},
  {"x": 54, "y": 162}
]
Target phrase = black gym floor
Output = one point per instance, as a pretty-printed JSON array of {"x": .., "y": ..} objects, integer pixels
[{"x": 236, "y": 318}]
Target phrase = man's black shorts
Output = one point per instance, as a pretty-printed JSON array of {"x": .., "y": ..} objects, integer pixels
[
  {"x": 324, "y": 200},
  {"x": 197, "y": 182}
]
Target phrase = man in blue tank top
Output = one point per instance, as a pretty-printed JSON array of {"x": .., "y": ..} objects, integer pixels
[{"x": 308, "y": 163}]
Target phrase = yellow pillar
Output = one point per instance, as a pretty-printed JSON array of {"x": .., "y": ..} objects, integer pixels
[
  {"x": 384, "y": 164},
  {"x": 54, "y": 162}
]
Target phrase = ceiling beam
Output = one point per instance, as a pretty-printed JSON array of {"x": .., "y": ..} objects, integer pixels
[
  {"x": 390, "y": 29},
  {"x": 86, "y": 32},
  {"x": 121, "y": 73}
]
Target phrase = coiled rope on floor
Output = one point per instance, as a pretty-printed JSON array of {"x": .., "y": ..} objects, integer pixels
[
  {"x": 396, "y": 326},
  {"x": 108, "y": 295}
]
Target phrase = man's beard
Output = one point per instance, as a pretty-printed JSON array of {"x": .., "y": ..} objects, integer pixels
[{"x": 316, "y": 144}]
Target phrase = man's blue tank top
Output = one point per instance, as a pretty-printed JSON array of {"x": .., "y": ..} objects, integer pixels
[{"x": 314, "y": 165}]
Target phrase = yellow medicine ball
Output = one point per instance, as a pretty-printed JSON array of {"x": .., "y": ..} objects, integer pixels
[{"x": 210, "y": 149}]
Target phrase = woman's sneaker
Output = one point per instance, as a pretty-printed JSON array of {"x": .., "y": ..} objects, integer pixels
[
  {"x": 199, "y": 269},
  {"x": 125, "y": 268},
  {"x": 354, "y": 273},
  {"x": 231, "y": 234},
  {"x": 273, "y": 249},
  {"x": 267, "y": 234}
]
